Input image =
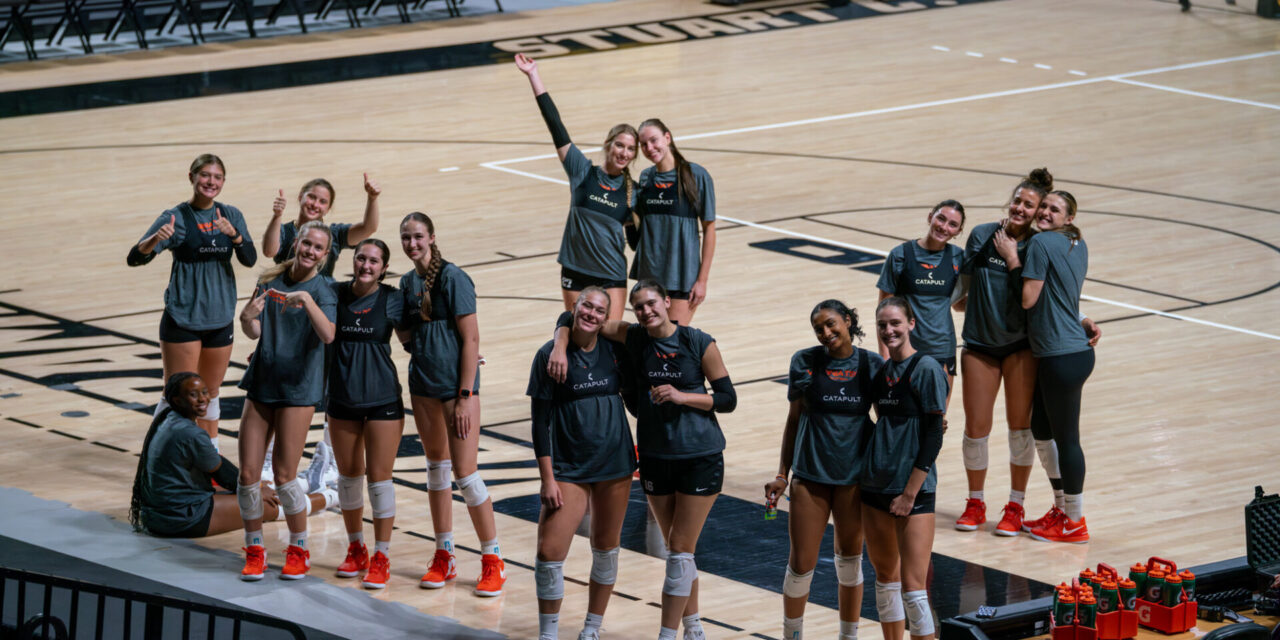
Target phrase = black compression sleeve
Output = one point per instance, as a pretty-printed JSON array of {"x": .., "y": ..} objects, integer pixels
[
  {"x": 541, "y": 413},
  {"x": 565, "y": 320},
  {"x": 137, "y": 258},
  {"x": 633, "y": 235},
  {"x": 930, "y": 441},
  {"x": 245, "y": 252},
  {"x": 227, "y": 475},
  {"x": 723, "y": 398},
  {"x": 559, "y": 136}
]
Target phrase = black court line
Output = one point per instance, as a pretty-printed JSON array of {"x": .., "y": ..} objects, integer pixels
[
  {"x": 69, "y": 435},
  {"x": 110, "y": 446},
  {"x": 24, "y": 422}
]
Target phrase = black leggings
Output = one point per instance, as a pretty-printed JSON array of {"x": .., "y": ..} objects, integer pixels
[{"x": 1055, "y": 411}]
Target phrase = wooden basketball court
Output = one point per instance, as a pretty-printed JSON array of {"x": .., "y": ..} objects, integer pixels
[{"x": 828, "y": 140}]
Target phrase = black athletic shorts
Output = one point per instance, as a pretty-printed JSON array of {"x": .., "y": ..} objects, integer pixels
[
  {"x": 702, "y": 476},
  {"x": 948, "y": 365},
  {"x": 390, "y": 411},
  {"x": 571, "y": 280},
  {"x": 210, "y": 339},
  {"x": 678, "y": 295},
  {"x": 881, "y": 501},
  {"x": 198, "y": 530},
  {"x": 999, "y": 353}
]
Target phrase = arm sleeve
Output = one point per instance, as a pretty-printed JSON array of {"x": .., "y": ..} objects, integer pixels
[
  {"x": 227, "y": 475},
  {"x": 137, "y": 258},
  {"x": 564, "y": 320},
  {"x": 723, "y": 398},
  {"x": 246, "y": 253},
  {"x": 551, "y": 116},
  {"x": 286, "y": 243},
  {"x": 541, "y": 413},
  {"x": 930, "y": 441}
]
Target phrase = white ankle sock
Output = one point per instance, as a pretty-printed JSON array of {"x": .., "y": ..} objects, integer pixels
[
  {"x": 1017, "y": 497},
  {"x": 1074, "y": 506}
]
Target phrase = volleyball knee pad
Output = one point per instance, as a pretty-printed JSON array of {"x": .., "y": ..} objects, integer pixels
[
  {"x": 549, "y": 579},
  {"x": 474, "y": 493},
  {"x": 350, "y": 494},
  {"x": 889, "y": 601},
  {"x": 604, "y": 565},
  {"x": 1022, "y": 447},
  {"x": 796, "y": 585},
  {"x": 382, "y": 499},
  {"x": 214, "y": 412},
  {"x": 975, "y": 452},
  {"x": 919, "y": 616},
  {"x": 1048, "y": 451},
  {"x": 681, "y": 572},
  {"x": 250, "y": 498},
  {"x": 438, "y": 472},
  {"x": 849, "y": 570},
  {"x": 293, "y": 498}
]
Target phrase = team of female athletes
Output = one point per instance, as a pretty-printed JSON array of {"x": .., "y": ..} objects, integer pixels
[{"x": 327, "y": 343}]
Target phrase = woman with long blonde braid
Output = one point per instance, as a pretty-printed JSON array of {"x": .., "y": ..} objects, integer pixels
[{"x": 443, "y": 339}]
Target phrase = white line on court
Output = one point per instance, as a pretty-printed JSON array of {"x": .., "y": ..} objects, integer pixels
[
  {"x": 1043, "y": 66},
  {"x": 1198, "y": 94},
  {"x": 1009, "y": 60},
  {"x": 938, "y": 47},
  {"x": 499, "y": 165},
  {"x": 1077, "y": 72}
]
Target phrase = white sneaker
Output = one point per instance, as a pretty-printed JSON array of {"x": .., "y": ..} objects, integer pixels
[
  {"x": 589, "y": 634},
  {"x": 323, "y": 470},
  {"x": 268, "y": 473},
  {"x": 694, "y": 634}
]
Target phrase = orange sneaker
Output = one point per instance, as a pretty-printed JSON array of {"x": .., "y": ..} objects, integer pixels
[
  {"x": 296, "y": 563},
  {"x": 255, "y": 563},
  {"x": 379, "y": 571},
  {"x": 974, "y": 516},
  {"x": 357, "y": 560},
  {"x": 443, "y": 569},
  {"x": 1051, "y": 516},
  {"x": 1064, "y": 530},
  {"x": 1011, "y": 522},
  {"x": 493, "y": 574}
]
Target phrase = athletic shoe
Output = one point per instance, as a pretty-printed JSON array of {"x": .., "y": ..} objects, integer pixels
[
  {"x": 268, "y": 473},
  {"x": 357, "y": 560},
  {"x": 1064, "y": 530},
  {"x": 255, "y": 563},
  {"x": 974, "y": 516},
  {"x": 589, "y": 634},
  {"x": 443, "y": 569},
  {"x": 694, "y": 634},
  {"x": 296, "y": 563},
  {"x": 493, "y": 574},
  {"x": 1051, "y": 516},
  {"x": 323, "y": 470},
  {"x": 379, "y": 571},
  {"x": 1011, "y": 522}
]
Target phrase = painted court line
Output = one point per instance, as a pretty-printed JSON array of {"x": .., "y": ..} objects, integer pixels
[
  {"x": 499, "y": 165},
  {"x": 1198, "y": 94}
]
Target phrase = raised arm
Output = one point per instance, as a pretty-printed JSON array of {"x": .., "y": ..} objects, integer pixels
[
  {"x": 271, "y": 237},
  {"x": 559, "y": 136},
  {"x": 144, "y": 251},
  {"x": 366, "y": 227}
]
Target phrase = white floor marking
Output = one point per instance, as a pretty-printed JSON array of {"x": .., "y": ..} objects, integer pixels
[{"x": 1198, "y": 94}]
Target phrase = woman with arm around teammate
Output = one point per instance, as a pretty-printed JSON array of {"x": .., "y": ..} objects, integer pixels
[
  {"x": 680, "y": 442},
  {"x": 585, "y": 455},
  {"x": 443, "y": 339},
  {"x": 602, "y": 199},
  {"x": 1052, "y": 280},
  {"x": 198, "y": 325},
  {"x": 899, "y": 478},
  {"x": 829, "y": 388},
  {"x": 676, "y": 198},
  {"x": 292, "y": 316},
  {"x": 315, "y": 199},
  {"x": 925, "y": 272},
  {"x": 365, "y": 411}
]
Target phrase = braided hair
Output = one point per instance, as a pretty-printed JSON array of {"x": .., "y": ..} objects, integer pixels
[
  {"x": 434, "y": 266},
  {"x": 172, "y": 389}
]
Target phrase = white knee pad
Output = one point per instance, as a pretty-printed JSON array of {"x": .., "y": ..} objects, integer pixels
[
  {"x": 681, "y": 572},
  {"x": 919, "y": 616},
  {"x": 796, "y": 585},
  {"x": 293, "y": 498},
  {"x": 473, "y": 490},
  {"x": 250, "y": 499},
  {"x": 214, "y": 412},
  {"x": 604, "y": 565},
  {"x": 1022, "y": 447},
  {"x": 889, "y": 601},
  {"x": 549, "y": 578},
  {"x": 1048, "y": 450},
  {"x": 975, "y": 452},
  {"x": 438, "y": 472},
  {"x": 350, "y": 494},
  {"x": 849, "y": 570},
  {"x": 382, "y": 499}
]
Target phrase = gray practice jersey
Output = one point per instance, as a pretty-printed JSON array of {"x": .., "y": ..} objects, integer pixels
[
  {"x": 895, "y": 440},
  {"x": 180, "y": 462},
  {"x": 202, "y": 285},
  {"x": 668, "y": 430},
  {"x": 288, "y": 366},
  {"x": 993, "y": 315},
  {"x": 289, "y": 235},
  {"x": 1054, "y": 323},
  {"x": 436, "y": 347},
  {"x": 361, "y": 373},
  {"x": 594, "y": 241},
  {"x": 669, "y": 250},
  {"x": 927, "y": 282},
  {"x": 834, "y": 424}
]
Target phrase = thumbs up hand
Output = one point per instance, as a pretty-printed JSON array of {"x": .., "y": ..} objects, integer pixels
[
  {"x": 371, "y": 187},
  {"x": 277, "y": 207},
  {"x": 224, "y": 225}
]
